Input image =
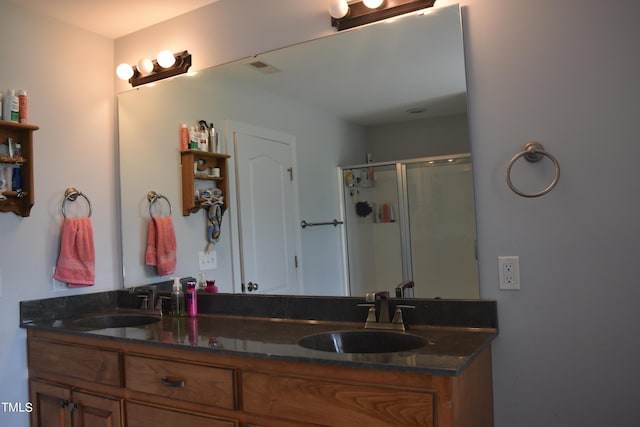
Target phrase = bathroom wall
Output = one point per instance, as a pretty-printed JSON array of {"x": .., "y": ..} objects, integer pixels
[
  {"x": 560, "y": 72},
  {"x": 68, "y": 75}
]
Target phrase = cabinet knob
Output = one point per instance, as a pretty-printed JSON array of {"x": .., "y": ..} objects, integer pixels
[
  {"x": 252, "y": 287},
  {"x": 63, "y": 403}
]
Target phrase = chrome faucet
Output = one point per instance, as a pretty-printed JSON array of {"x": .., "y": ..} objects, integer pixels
[
  {"x": 383, "y": 320},
  {"x": 383, "y": 297}
]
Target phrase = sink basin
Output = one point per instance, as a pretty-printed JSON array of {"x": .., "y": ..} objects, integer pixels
[
  {"x": 115, "y": 321},
  {"x": 362, "y": 341}
]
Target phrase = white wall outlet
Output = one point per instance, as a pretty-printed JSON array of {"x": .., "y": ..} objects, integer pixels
[
  {"x": 509, "y": 272},
  {"x": 208, "y": 260},
  {"x": 57, "y": 285}
]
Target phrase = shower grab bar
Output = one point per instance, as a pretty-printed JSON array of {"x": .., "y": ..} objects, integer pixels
[
  {"x": 533, "y": 152},
  {"x": 305, "y": 224}
]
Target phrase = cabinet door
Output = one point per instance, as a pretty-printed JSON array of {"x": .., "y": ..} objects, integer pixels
[
  {"x": 141, "y": 415},
  {"x": 50, "y": 404},
  {"x": 90, "y": 410}
]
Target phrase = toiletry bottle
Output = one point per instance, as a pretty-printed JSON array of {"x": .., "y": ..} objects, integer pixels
[
  {"x": 211, "y": 287},
  {"x": 213, "y": 140},
  {"x": 22, "y": 105},
  {"x": 202, "y": 282},
  {"x": 204, "y": 140},
  {"x": 16, "y": 179},
  {"x": 184, "y": 137},
  {"x": 11, "y": 106},
  {"x": 192, "y": 299},
  {"x": 177, "y": 298},
  {"x": 194, "y": 139}
]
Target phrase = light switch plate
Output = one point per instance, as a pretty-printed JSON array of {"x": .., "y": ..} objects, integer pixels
[{"x": 208, "y": 260}]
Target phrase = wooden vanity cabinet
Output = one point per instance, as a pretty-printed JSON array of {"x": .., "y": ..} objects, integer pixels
[
  {"x": 137, "y": 385},
  {"x": 61, "y": 405},
  {"x": 194, "y": 165},
  {"x": 19, "y": 203}
]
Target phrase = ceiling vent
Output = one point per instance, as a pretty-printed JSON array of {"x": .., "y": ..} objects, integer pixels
[{"x": 262, "y": 66}]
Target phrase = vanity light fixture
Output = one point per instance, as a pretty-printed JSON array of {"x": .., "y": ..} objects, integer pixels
[
  {"x": 349, "y": 15},
  {"x": 165, "y": 65}
]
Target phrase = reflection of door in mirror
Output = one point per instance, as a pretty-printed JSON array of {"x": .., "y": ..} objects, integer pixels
[
  {"x": 266, "y": 199},
  {"x": 412, "y": 220}
]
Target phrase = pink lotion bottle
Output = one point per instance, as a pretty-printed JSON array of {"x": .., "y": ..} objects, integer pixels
[{"x": 192, "y": 300}]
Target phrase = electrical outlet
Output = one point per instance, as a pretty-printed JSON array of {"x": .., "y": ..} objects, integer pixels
[
  {"x": 509, "y": 272},
  {"x": 57, "y": 285},
  {"x": 208, "y": 260}
]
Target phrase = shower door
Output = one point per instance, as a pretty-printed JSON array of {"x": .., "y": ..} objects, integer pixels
[
  {"x": 442, "y": 231},
  {"x": 412, "y": 220}
]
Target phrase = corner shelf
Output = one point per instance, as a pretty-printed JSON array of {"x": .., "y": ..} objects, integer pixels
[
  {"x": 204, "y": 161},
  {"x": 19, "y": 203}
]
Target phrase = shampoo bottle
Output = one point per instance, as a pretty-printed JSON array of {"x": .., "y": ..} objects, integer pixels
[
  {"x": 22, "y": 105},
  {"x": 11, "y": 106},
  {"x": 177, "y": 298},
  {"x": 192, "y": 299},
  {"x": 184, "y": 137}
]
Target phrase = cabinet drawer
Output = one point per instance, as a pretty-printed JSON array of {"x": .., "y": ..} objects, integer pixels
[
  {"x": 75, "y": 361},
  {"x": 197, "y": 383},
  {"x": 335, "y": 403},
  {"x": 141, "y": 415}
]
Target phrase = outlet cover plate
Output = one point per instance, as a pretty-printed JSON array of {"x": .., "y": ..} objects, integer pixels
[{"x": 509, "y": 272}]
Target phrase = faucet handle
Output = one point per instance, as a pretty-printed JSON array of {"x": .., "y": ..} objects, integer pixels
[
  {"x": 371, "y": 316},
  {"x": 145, "y": 302},
  {"x": 397, "y": 316}
]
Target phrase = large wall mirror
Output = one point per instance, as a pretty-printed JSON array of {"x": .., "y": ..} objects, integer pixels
[{"x": 370, "y": 126}]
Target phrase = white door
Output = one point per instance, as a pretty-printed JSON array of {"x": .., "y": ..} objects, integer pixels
[{"x": 266, "y": 210}]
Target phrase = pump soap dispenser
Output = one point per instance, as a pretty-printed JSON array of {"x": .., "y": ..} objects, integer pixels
[{"x": 177, "y": 298}]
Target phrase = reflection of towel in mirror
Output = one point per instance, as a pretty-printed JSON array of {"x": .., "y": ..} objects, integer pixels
[
  {"x": 76, "y": 261},
  {"x": 161, "y": 245}
]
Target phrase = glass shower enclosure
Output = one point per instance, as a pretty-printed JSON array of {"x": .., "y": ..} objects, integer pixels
[{"x": 411, "y": 220}]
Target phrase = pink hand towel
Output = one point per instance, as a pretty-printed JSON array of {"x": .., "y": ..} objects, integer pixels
[
  {"x": 76, "y": 261},
  {"x": 161, "y": 245}
]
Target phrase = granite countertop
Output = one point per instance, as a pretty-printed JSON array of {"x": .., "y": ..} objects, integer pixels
[{"x": 221, "y": 328}]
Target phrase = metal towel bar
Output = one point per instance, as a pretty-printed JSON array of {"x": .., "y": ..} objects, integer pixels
[{"x": 305, "y": 224}]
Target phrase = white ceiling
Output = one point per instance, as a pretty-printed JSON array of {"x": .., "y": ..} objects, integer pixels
[
  {"x": 374, "y": 74},
  {"x": 111, "y": 18}
]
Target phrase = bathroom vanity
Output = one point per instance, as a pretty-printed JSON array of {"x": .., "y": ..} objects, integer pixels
[{"x": 224, "y": 369}]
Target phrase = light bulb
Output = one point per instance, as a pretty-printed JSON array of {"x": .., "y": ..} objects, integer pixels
[
  {"x": 372, "y": 4},
  {"x": 338, "y": 8},
  {"x": 145, "y": 66},
  {"x": 124, "y": 71},
  {"x": 166, "y": 59}
]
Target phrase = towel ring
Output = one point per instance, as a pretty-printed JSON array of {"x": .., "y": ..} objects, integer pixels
[
  {"x": 533, "y": 152},
  {"x": 153, "y": 197},
  {"x": 71, "y": 194}
]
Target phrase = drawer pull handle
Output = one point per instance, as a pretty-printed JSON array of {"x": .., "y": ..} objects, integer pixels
[{"x": 172, "y": 382}]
